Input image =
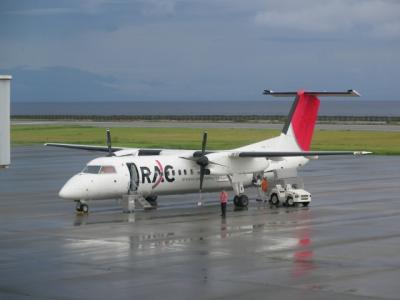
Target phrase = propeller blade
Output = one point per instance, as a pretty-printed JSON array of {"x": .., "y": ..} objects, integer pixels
[
  {"x": 110, "y": 153},
  {"x": 204, "y": 143},
  {"x": 189, "y": 158},
  {"x": 214, "y": 163},
  {"x": 202, "y": 160},
  {"x": 202, "y": 173}
]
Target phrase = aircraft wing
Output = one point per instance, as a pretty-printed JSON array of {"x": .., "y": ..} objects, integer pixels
[
  {"x": 129, "y": 151},
  {"x": 84, "y": 147},
  {"x": 295, "y": 153}
]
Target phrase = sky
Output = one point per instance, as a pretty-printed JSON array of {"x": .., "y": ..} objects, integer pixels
[{"x": 198, "y": 50}]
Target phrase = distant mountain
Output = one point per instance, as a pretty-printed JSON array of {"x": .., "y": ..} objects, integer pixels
[{"x": 61, "y": 84}]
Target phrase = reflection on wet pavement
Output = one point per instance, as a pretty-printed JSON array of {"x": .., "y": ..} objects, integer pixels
[{"x": 345, "y": 245}]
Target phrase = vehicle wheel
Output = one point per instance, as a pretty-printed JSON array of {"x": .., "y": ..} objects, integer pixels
[
  {"x": 274, "y": 200},
  {"x": 289, "y": 201},
  {"x": 236, "y": 200},
  {"x": 84, "y": 208},
  {"x": 305, "y": 204}
]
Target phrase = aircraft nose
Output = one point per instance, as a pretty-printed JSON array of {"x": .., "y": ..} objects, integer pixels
[{"x": 74, "y": 189}]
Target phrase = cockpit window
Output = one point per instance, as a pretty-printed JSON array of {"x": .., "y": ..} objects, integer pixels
[
  {"x": 107, "y": 170},
  {"x": 91, "y": 169},
  {"x": 99, "y": 170}
]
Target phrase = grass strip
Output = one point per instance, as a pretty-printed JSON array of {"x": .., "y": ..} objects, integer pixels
[{"x": 382, "y": 143}]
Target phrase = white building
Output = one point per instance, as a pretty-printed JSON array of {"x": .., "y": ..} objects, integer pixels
[{"x": 5, "y": 120}]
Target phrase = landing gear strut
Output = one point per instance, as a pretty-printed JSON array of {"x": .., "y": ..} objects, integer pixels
[
  {"x": 81, "y": 207},
  {"x": 241, "y": 201}
]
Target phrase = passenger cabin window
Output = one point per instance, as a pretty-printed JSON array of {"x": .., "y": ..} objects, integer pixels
[
  {"x": 191, "y": 171},
  {"x": 107, "y": 170},
  {"x": 91, "y": 169},
  {"x": 184, "y": 172}
]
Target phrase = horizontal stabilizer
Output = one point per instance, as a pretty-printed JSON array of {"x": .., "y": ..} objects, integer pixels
[{"x": 348, "y": 93}]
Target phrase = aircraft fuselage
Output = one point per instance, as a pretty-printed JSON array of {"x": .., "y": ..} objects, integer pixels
[{"x": 146, "y": 175}]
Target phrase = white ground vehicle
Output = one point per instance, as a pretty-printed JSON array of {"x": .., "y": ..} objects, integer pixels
[
  {"x": 289, "y": 196},
  {"x": 285, "y": 187}
]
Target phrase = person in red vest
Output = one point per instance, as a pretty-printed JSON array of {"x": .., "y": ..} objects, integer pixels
[{"x": 223, "y": 199}]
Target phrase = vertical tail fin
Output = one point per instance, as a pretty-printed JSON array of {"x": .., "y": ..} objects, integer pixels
[
  {"x": 302, "y": 118},
  {"x": 303, "y": 114}
]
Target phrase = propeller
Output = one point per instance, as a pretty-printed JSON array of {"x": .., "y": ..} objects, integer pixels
[
  {"x": 200, "y": 157},
  {"x": 202, "y": 160},
  {"x": 110, "y": 152}
]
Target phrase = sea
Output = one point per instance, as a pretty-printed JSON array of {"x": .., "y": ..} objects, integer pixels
[{"x": 269, "y": 107}]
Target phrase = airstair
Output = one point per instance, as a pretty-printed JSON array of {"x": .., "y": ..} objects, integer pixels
[{"x": 134, "y": 201}]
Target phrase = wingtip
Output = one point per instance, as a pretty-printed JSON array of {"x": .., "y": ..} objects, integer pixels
[
  {"x": 354, "y": 93},
  {"x": 267, "y": 92},
  {"x": 362, "y": 152}
]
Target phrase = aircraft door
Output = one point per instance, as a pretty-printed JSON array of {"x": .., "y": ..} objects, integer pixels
[{"x": 134, "y": 175}]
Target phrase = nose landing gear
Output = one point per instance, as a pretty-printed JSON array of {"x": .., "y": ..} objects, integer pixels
[{"x": 81, "y": 207}]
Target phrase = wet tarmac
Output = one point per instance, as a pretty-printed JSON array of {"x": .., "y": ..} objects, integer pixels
[{"x": 346, "y": 245}]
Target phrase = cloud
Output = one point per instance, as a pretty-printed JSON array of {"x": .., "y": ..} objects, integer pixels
[
  {"x": 95, "y": 7},
  {"x": 81, "y": 7},
  {"x": 157, "y": 7},
  {"x": 201, "y": 49},
  {"x": 378, "y": 18},
  {"x": 42, "y": 11}
]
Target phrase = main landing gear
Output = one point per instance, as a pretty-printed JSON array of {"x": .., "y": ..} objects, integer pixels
[
  {"x": 82, "y": 207},
  {"x": 241, "y": 201}
]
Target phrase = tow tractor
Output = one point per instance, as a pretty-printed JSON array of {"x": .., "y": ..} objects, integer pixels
[
  {"x": 286, "y": 188},
  {"x": 289, "y": 196}
]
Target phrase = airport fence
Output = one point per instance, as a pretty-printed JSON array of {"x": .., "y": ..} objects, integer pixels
[{"x": 209, "y": 118}]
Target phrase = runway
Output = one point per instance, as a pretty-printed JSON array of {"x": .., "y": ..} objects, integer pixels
[{"x": 345, "y": 245}]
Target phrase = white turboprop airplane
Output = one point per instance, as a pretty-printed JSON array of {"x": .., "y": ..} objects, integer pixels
[{"x": 148, "y": 173}]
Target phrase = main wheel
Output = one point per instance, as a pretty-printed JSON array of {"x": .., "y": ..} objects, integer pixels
[
  {"x": 305, "y": 204},
  {"x": 236, "y": 200},
  {"x": 289, "y": 201},
  {"x": 274, "y": 199},
  {"x": 243, "y": 201},
  {"x": 78, "y": 206}
]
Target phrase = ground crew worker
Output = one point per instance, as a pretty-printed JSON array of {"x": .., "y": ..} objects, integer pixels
[
  {"x": 223, "y": 199},
  {"x": 264, "y": 188},
  {"x": 257, "y": 183}
]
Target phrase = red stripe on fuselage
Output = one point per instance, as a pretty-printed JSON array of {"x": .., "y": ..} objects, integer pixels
[
  {"x": 160, "y": 179},
  {"x": 304, "y": 118}
]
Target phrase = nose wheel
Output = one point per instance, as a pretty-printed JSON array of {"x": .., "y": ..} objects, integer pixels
[{"x": 81, "y": 207}]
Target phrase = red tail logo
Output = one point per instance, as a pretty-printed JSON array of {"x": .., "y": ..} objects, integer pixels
[
  {"x": 304, "y": 113},
  {"x": 303, "y": 119}
]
